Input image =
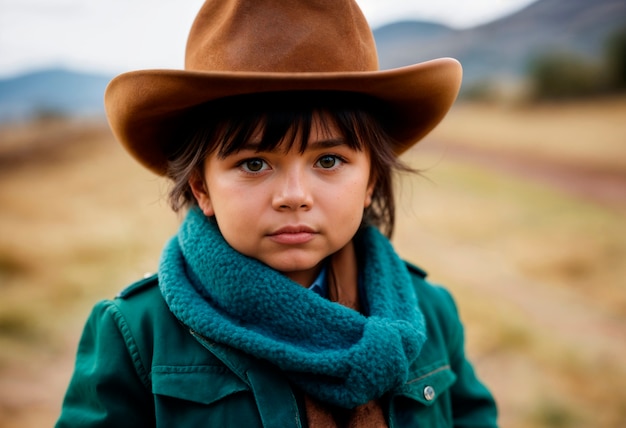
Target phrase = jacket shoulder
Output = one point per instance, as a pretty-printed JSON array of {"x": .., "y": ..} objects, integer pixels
[
  {"x": 435, "y": 296},
  {"x": 142, "y": 304},
  {"x": 148, "y": 282},
  {"x": 416, "y": 270}
]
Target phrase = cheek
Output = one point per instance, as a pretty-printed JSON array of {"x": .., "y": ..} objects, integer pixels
[
  {"x": 353, "y": 201},
  {"x": 234, "y": 212},
  {"x": 235, "y": 230},
  {"x": 237, "y": 202}
]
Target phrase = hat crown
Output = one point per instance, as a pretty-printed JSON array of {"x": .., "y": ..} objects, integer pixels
[{"x": 284, "y": 36}]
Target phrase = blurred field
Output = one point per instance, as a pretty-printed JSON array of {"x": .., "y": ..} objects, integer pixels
[{"x": 538, "y": 268}]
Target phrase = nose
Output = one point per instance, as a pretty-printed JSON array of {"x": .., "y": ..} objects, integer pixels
[{"x": 292, "y": 191}]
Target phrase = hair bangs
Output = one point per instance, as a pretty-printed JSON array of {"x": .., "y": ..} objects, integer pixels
[{"x": 285, "y": 128}]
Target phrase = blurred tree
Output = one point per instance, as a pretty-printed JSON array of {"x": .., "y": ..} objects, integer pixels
[
  {"x": 49, "y": 114},
  {"x": 560, "y": 75},
  {"x": 615, "y": 57},
  {"x": 483, "y": 90}
]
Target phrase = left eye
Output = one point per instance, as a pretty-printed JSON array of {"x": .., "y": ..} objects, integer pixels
[{"x": 328, "y": 161}]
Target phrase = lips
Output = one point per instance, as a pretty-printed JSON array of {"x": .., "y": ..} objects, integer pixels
[{"x": 293, "y": 235}]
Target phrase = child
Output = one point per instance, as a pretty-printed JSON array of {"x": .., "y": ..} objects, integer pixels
[{"x": 279, "y": 303}]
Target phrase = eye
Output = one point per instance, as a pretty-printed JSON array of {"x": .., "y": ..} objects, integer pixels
[
  {"x": 253, "y": 165},
  {"x": 328, "y": 161}
]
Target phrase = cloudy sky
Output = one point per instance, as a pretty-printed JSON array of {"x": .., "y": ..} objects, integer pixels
[{"x": 113, "y": 36}]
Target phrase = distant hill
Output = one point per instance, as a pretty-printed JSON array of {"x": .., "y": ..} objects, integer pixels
[
  {"x": 497, "y": 51},
  {"x": 502, "y": 49},
  {"x": 56, "y": 91}
]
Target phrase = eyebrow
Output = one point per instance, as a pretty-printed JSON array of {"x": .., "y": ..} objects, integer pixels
[{"x": 316, "y": 145}]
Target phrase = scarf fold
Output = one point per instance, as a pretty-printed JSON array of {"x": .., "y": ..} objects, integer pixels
[{"x": 332, "y": 352}]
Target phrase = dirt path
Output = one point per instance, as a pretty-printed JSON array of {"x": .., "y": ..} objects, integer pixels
[{"x": 607, "y": 187}]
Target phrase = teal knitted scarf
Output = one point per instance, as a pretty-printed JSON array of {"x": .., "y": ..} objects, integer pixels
[{"x": 331, "y": 352}]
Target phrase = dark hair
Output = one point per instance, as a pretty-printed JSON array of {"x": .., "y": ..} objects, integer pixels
[{"x": 226, "y": 125}]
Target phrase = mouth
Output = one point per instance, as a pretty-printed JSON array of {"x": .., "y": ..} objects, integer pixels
[{"x": 292, "y": 235}]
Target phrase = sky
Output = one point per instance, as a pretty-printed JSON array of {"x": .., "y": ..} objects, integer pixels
[{"x": 114, "y": 36}]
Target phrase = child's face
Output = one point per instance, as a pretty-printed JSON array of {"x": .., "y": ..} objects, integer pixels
[{"x": 289, "y": 210}]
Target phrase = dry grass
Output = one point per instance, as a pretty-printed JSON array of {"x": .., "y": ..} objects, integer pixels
[
  {"x": 590, "y": 134},
  {"x": 538, "y": 274}
]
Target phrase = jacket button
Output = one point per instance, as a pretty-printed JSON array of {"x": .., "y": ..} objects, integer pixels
[{"x": 429, "y": 393}]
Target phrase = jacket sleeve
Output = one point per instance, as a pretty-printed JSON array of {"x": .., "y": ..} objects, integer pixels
[
  {"x": 109, "y": 384},
  {"x": 472, "y": 403}
]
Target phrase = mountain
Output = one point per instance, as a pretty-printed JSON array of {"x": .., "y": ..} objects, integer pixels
[
  {"x": 55, "y": 91},
  {"x": 498, "y": 51},
  {"x": 503, "y": 49}
]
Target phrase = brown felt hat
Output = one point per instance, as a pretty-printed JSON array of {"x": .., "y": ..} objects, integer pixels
[{"x": 238, "y": 47}]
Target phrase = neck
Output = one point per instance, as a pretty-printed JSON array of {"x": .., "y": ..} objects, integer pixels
[{"x": 306, "y": 277}]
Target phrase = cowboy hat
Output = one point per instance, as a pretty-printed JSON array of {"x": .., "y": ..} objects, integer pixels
[{"x": 238, "y": 47}]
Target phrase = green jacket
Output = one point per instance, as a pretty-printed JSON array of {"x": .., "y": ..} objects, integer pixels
[{"x": 138, "y": 366}]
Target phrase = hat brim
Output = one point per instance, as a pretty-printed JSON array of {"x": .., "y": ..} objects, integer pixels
[{"x": 145, "y": 107}]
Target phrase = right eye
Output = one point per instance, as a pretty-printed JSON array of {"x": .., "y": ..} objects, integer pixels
[{"x": 253, "y": 165}]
